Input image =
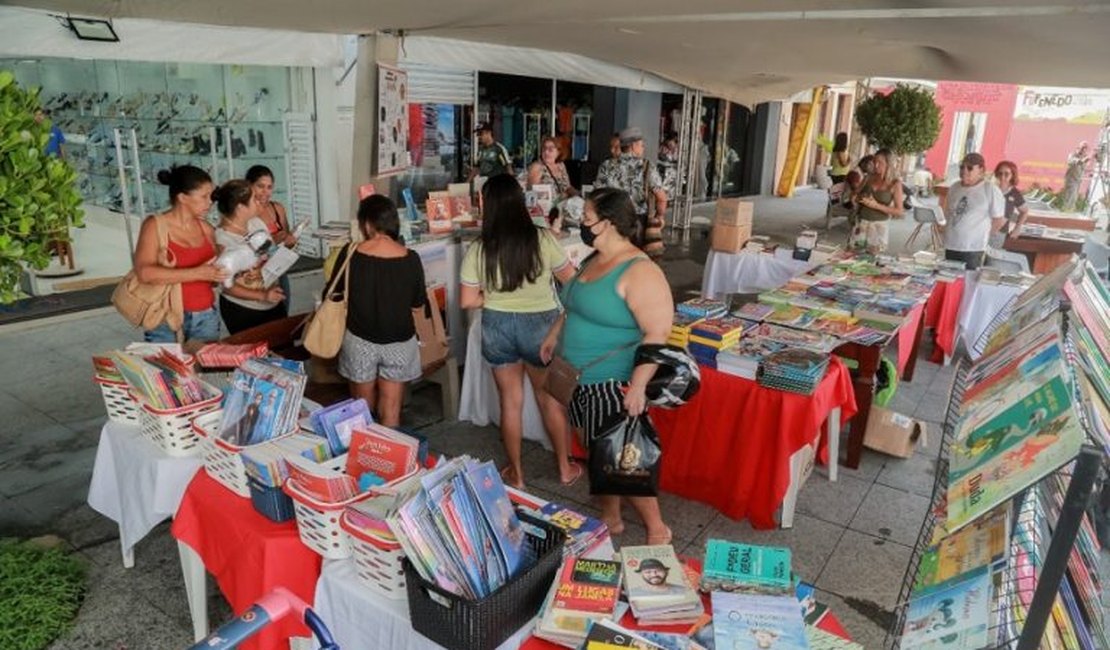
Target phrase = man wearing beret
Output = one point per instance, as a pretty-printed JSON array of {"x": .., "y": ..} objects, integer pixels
[{"x": 634, "y": 174}]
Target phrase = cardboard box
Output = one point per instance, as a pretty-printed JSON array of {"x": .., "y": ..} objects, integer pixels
[
  {"x": 733, "y": 212},
  {"x": 893, "y": 433},
  {"x": 729, "y": 238}
]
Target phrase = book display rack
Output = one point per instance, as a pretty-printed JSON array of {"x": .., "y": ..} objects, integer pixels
[{"x": 1040, "y": 579}]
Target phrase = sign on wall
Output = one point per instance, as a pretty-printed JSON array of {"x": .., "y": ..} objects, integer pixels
[{"x": 393, "y": 121}]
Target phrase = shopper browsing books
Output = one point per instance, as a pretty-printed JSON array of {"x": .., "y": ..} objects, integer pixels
[
  {"x": 177, "y": 248},
  {"x": 974, "y": 209},
  {"x": 380, "y": 352},
  {"x": 549, "y": 169},
  {"x": 619, "y": 300},
  {"x": 247, "y": 302},
  {"x": 879, "y": 199},
  {"x": 508, "y": 273},
  {"x": 273, "y": 214}
]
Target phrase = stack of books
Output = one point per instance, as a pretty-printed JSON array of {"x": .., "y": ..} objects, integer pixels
[
  {"x": 263, "y": 401},
  {"x": 460, "y": 531},
  {"x": 370, "y": 515},
  {"x": 680, "y": 329},
  {"x": 754, "y": 311},
  {"x": 584, "y": 533},
  {"x": 745, "y": 358},
  {"x": 584, "y": 591},
  {"x": 794, "y": 338},
  {"x": 887, "y": 311},
  {"x": 702, "y": 308},
  {"x": 658, "y": 589},
  {"x": 162, "y": 380},
  {"x": 607, "y": 635},
  {"x": 379, "y": 455},
  {"x": 224, "y": 355},
  {"x": 338, "y": 421},
  {"x": 737, "y": 567},
  {"x": 794, "y": 370},
  {"x": 323, "y": 481},
  {"x": 267, "y": 463},
  {"x": 711, "y": 335},
  {"x": 104, "y": 368}
]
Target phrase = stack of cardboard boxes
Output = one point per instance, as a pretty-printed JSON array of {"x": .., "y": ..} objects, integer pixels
[{"x": 732, "y": 226}]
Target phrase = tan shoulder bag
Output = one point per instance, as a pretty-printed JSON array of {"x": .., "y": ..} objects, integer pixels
[
  {"x": 324, "y": 335},
  {"x": 148, "y": 305}
]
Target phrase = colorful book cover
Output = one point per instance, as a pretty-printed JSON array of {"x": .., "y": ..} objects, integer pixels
[
  {"x": 980, "y": 545},
  {"x": 588, "y": 585},
  {"x": 320, "y": 482},
  {"x": 486, "y": 486},
  {"x": 821, "y": 640},
  {"x": 654, "y": 578},
  {"x": 438, "y": 208},
  {"x": 385, "y": 453},
  {"x": 956, "y": 617},
  {"x": 732, "y": 564},
  {"x": 607, "y": 633},
  {"x": 1011, "y": 451},
  {"x": 754, "y": 622}
]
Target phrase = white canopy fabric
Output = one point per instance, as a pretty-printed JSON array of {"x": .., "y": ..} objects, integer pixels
[{"x": 745, "y": 51}]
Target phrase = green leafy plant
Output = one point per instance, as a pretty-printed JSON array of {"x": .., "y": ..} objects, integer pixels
[
  {"x": 40, "y": 592},
  {"x": 906, "y": 120},
  {"x": 38, "y": 194}
]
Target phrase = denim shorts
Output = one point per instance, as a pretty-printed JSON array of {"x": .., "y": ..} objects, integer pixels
[
  {"x": 199, "y": 326},
  {"x": 509, "y": 337},
  {"x": 363, "y": 361}
]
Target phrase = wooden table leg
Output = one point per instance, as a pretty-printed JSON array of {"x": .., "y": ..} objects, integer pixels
[
  {"x": 911, "y": 364},
  {"x": 864, "y": 387}
]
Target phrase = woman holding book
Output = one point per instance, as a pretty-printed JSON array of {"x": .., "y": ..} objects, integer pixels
[
  {"x": 619, "y": 301},
  {"x": 246, "y": 303},
  {"x": 380, "y": 353},
  {"x": 508, "y": 274},
  {"x": 177, "y": 248},
  {"x": 273, "y": 214},
  {"x": 549, "y": 169},
  {"x": 878, "y": 200}
]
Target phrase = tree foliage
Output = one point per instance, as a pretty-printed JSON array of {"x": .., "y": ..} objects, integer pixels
[
  {"x": 39, "y": 200},
  {"x": 905, "y": 121}
]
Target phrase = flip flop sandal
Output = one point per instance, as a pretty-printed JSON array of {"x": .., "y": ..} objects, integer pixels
[{"x": 576, "y": 473}]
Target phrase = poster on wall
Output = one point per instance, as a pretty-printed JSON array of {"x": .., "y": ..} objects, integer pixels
[
  {"x": 1049, "y": 123},
  {"x": 393, "y": 121}
]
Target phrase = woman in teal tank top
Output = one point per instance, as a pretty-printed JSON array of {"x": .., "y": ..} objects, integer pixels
[{"x": 619, "y": 300}]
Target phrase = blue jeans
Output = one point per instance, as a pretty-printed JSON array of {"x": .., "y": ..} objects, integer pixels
[
  {"x": 509, "y": 337},
  {"x": 199, "y": 325}
]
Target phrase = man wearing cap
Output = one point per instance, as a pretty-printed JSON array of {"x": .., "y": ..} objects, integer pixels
[
  {"x": 974, "y": 209},
  {"x": 493, "y": 157},
  {"x": 654, "y": 574},
  {"x": 634, "y": 174},
  {"x": 1073, "y": 177}
]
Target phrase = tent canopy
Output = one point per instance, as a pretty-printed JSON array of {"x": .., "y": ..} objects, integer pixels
[{"x": 745, "y": 51}]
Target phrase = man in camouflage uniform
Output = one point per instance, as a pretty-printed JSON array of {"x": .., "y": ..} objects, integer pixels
[
  {"x": 493, "y": 158},
  {"x": 637, "y": 176}
]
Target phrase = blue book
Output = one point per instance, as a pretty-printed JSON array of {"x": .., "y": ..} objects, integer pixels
[
  {"x": 956, "y": 617},
  {"x": 754, "y": 621},
  {"x": 493, "y": 502}
]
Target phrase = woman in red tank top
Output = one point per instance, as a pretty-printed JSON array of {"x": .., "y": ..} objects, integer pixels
[{"x": 188, "y": 257}]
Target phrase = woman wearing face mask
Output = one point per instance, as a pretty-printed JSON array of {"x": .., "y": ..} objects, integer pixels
[
  {"x": 619, "y": 300},
  {"x": 508, "y": 274},
  {"x": 246, "y": 303},
  {"x": 186, "y": 262}
]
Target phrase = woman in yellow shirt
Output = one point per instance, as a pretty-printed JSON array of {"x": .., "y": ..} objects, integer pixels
[{"x": 508, "y": 273}]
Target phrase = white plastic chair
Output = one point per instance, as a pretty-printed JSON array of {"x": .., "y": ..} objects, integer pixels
[{"x": 931, "y": 216}]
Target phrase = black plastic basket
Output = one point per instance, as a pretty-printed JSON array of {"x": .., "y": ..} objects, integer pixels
[
  {"x": 271, "y": 502},
  {"x": 459, "y": 624}
]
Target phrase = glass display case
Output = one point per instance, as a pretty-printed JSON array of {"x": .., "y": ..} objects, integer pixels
[{"x": 222, "y": 118}]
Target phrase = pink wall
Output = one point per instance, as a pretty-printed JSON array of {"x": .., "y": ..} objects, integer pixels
[
  {"x": 996, "y": 100},
  {"x": 1040, "y": 149}
]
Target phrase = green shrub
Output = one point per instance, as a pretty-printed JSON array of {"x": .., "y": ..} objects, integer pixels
[
  {"x": 905, "y": 121},
  {"x": 40, "y": 592}
]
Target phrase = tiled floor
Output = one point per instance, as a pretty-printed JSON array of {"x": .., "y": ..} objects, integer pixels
[{"x": 850, "y": 537}]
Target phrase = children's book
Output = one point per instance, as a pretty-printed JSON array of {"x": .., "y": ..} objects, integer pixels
[
  {"x": 955, "y": 618},
  {"x": 756, "y": 621},
  {"x": 387, "y": 453},
  {"x": 981, "y": 544},
  {"x": 486, "y": 486}
]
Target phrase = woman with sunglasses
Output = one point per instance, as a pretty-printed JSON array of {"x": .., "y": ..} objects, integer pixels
[
  {"x": 974, "y": 209},
  {"x": 1006, "y": 175}
]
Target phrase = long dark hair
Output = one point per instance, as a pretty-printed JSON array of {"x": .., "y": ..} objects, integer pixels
[
  {"x": 378, "y": 213},
  {"x": 258, "y": 171},
  {"x": 510, "y": 241},
  {"x": 183, "y": 179},
  {"x": 841, "y": 143},
  {"x": 615, "y": 206}
]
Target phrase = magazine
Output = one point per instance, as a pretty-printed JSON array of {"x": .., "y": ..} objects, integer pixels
[
  {"x": 755, "y": 621},
  {"x": 489, "y": 492},
  {"x": 388, "y": 454}
]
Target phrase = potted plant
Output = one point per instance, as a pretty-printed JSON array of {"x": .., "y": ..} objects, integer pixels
[
  {"x": 906, "y": 120},
  {"x": 39, "y": 200}
]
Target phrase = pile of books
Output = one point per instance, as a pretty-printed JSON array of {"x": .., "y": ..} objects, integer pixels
[
  {"x": 607, "y": 635},
  {"x": 104, "y": 368},
  {"x": 658, "y": 587},
  {"x": 745, "y": 358},
  {"x": 224, "y": 355},
  {"x": 459, "y": 529},
  {"x": 267, "y": 463},
  {"x": 754, "y": 311},
  {"x": 337, "y": 422},
  {"x": 711, "y": 335},
  {"x": 584, "y": 591},
  {"x": 379, "y": 455},
  {"x": 702, "y": 308},
  {"x": 584, "y": 533},
  {"x": 794, "y": 370},
  {"x": 680, "y": 329},
  {"x": 263, "y": 401},
  {"x": 163, "y": 380},
  {"x": 747, "y": 568}
]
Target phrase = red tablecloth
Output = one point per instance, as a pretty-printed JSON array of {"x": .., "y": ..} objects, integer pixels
[
  {"x": 730, "y": 447},
  {"x": 248, "y": 554},
  {"x": 942, "y": 313},
  {"x": 906, "y": 335}
]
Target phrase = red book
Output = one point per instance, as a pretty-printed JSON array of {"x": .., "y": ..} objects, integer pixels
[
  {"x": 588, "y": 585},
  {"x": 387, "y": 453},
  {"x": 320, "y": 482}
]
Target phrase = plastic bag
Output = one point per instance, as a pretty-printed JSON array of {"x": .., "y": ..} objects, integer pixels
[{"x": 624, "y": 458}]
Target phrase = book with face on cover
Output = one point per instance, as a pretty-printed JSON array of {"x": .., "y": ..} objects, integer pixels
[
  {"x": 438, "y": 208},
  {"x": 655, "y": 580}
]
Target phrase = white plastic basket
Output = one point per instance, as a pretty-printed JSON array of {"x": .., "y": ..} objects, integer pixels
[
  {"x": 377, "y": 562},
  {"x": 172, "y": 429},
  {"x": 318, "y": 522},
  {"x": 222, "y": 459},
  {"x": 118, "y": 402}
]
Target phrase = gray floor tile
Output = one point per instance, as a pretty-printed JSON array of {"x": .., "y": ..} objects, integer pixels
[
  {"x": 35, "y": 471},
  {"x": 866, "y": 568},
  {"x": 18, "y": 365},
  {"x": 870, "y": 464},
  {"x": 61, "y": 398},
  {"x": 687, "y": 519},
  {"x": 866, "y": 622},
  {"x": 832, "y": 502},
  {"x": 915, "y": 474},
  {"x": 892, "y": 514},
  {"x": 811, "y": 540},
  {"x": 84, "y": 527}
]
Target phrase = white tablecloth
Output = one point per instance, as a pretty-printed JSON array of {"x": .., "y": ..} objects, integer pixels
[
  {"x": 748, "y": 272},
  {"x": 979, "y": 305},
  {"x": 479, "y": 402},
  {"x": 360, "y": 619},
  {"x": 136, "y": 484}
]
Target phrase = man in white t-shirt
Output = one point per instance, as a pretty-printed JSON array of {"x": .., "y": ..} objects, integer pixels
[{"x": 974, "y": 209}]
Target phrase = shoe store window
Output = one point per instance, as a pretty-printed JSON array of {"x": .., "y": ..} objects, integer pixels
[{"x": 222, "y": 118}]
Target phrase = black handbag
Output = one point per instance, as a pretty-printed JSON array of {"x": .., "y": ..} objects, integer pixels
[{"x": 625, "y": 457}]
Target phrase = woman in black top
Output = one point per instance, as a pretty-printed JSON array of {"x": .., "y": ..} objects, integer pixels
[
  {"x": 1006, "y": 175},
  {"x": 380, "y": 352}
]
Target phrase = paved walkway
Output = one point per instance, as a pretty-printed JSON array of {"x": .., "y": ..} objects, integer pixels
[{"x": 851, "y": 538}]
